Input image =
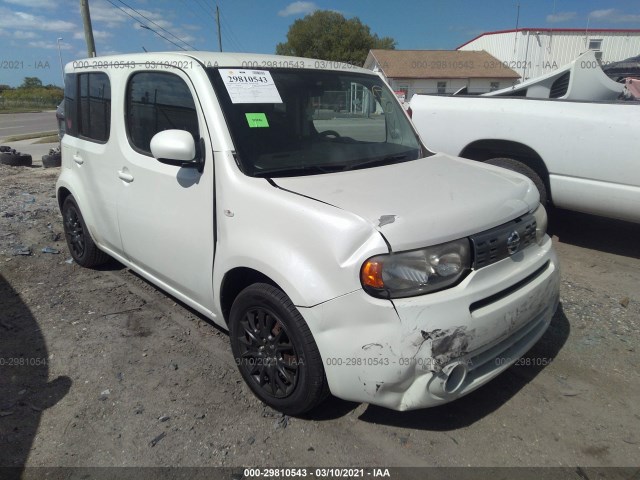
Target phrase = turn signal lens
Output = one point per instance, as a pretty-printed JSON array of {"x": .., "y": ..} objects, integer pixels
[{"x": 371, "y": 274}]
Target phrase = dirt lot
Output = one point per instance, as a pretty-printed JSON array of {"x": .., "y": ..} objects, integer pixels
[{"x": 99, "y": 368}]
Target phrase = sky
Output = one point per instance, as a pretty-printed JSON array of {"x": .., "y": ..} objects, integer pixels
[{"x": 30, "y": 29}]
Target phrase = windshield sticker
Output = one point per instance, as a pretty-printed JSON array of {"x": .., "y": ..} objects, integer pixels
[
  {"x": 257, "y": 120},
  {"x": 250, "y": 86}
]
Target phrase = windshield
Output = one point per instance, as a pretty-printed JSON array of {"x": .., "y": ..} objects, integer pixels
[{"x": 290, "y": 122}]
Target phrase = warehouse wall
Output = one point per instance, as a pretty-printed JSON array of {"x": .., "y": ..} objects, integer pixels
[{"x": 533, "y": 53}]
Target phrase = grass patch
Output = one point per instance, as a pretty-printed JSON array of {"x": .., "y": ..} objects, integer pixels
[
  {"x": 22, "y": 110},
  {"x": 29, "y": 136},
  {"x": 49, "y": 139}
]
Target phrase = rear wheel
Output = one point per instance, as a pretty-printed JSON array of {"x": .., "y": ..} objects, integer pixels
[
  {"x": 275, "y": 351},
  {"x": 520, "y": 167},
  {"x": 81, "y": 246}
]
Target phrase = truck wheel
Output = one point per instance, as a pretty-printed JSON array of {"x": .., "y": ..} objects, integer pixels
[
  {"x": 15, "y": 159},
  {"x": 519, "y": 167},
  {"x": 275, "y": 351},
  {"x": 81, "y": 246}
]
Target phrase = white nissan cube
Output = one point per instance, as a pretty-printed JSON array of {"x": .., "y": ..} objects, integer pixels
[{"x": 292, "y": 202}]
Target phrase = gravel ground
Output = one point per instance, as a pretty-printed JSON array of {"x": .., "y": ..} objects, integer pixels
[{"x": 115, "y": 372}]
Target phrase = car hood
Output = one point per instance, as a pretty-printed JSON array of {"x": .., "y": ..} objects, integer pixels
[{"x": 423, "y": 202}]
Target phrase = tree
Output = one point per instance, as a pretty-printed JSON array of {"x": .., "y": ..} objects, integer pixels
[
  {"x": 31, "y": 82},
  {"x": 329, "y": 35}
]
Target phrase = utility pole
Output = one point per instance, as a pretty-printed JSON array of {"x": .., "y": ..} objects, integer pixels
[
  {"x": 88, "y": 30},
  {"x": 515, "y": 41},
  {"x": 60, "y": 57},
  {"x": 218, "y": 23}
]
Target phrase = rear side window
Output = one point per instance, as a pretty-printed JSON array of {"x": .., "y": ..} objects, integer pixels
[
  {"x": 70, "y": 104},
  {"x": 158, "y": 101},
  {"x": 87, "y": 107}
]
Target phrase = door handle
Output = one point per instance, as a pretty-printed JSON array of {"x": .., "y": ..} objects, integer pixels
[
  {"x": 78, "y": 159},
  {"x": 127, "y": 177}
]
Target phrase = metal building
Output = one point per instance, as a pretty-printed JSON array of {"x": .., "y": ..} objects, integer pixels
[{"x": 535, "y": 51}]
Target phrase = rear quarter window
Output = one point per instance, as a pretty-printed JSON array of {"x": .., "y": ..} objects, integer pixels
[{"x": 70, "y": 104}]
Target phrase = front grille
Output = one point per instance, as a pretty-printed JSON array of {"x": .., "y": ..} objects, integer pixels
[{"x": 504, "y": 241}]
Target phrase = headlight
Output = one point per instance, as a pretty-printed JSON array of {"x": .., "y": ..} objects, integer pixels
[
  {"x": 406, "y": 274},
  {"x": 541, "y": 223}
]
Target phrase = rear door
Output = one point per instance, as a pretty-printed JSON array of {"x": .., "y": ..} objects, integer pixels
[
  {"x": 89, "y": 150},
  {"x": 165, "y": 212}
]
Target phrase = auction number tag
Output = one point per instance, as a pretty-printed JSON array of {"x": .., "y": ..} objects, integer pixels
[{"x": 250, "y": 86}]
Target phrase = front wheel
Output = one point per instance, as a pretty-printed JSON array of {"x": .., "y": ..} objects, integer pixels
[
  {"x": 519, "y": 167},
  {"x": 275, "y": 351}
]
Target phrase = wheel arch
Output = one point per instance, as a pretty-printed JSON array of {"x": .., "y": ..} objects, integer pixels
[
  {"x": 62, "y": 195},
  {"x": 236, "y": 280},
  {"x": 486, "y": 149}
]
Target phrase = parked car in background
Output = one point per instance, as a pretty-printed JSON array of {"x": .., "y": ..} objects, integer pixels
[{"x": 60, "y": 120}]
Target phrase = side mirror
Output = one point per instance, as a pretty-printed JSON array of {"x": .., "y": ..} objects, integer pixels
[{"x": 177, "y": 147}]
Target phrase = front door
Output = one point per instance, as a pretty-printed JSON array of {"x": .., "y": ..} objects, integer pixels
[{"x": 165, "y": 212}]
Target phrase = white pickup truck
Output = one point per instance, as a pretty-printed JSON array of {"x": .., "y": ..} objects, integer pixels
[{"x": 582, "y": 155}]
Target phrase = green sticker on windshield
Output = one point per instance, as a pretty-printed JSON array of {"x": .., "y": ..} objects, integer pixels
[{"x": 257, "y": 120}]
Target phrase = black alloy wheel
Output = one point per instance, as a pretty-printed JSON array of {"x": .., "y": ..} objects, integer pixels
[
  {"x": 74, "y": 232},
  {"x": 267, "y": 351},
  {"x": 275, "y": 350},
  {"x": 81, "y": 246}
]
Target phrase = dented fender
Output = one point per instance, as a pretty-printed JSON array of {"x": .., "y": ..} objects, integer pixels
[{"x": 312, "y": 250}]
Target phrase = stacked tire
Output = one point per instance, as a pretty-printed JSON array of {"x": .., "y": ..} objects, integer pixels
[
  {"x": 53, "y": 159},
  {"x": 9, "y": 156}
]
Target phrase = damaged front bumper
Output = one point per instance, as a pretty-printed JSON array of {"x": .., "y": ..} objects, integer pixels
[{"x": 431, "y": 349}]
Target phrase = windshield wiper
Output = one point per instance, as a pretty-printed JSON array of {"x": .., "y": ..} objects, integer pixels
[
  {"x": 317, "y": 169},
  {"x": 299, "y": 171},
  {"x": 376, "y": 162}
]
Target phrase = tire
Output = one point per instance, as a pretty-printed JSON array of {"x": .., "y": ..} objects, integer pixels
[
  {"x": 519, "y": 167},
  {"x": 16, "y": 159},
  {"x": 49, "y": 161},
  {"x": 81, "y": 246},
  {"x": 275, "y": 351},
  {"x": 5, "y": 148}
]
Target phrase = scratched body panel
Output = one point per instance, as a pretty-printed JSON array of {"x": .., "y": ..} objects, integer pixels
[{"x": 393, "y": 353}]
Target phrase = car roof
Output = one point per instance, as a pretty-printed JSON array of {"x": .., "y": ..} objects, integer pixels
[{"x": 213, "y": 59}]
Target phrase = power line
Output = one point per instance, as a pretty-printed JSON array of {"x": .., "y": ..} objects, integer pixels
[
  {"x": 189, "y": 6},
  {"x": 231, "y": 35},
  {"x": 145, "y": 26},
  {"x": 203, "y": 8},
  {"x": 159, "y": 26},
  {"x": 210, "y": 13}
]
